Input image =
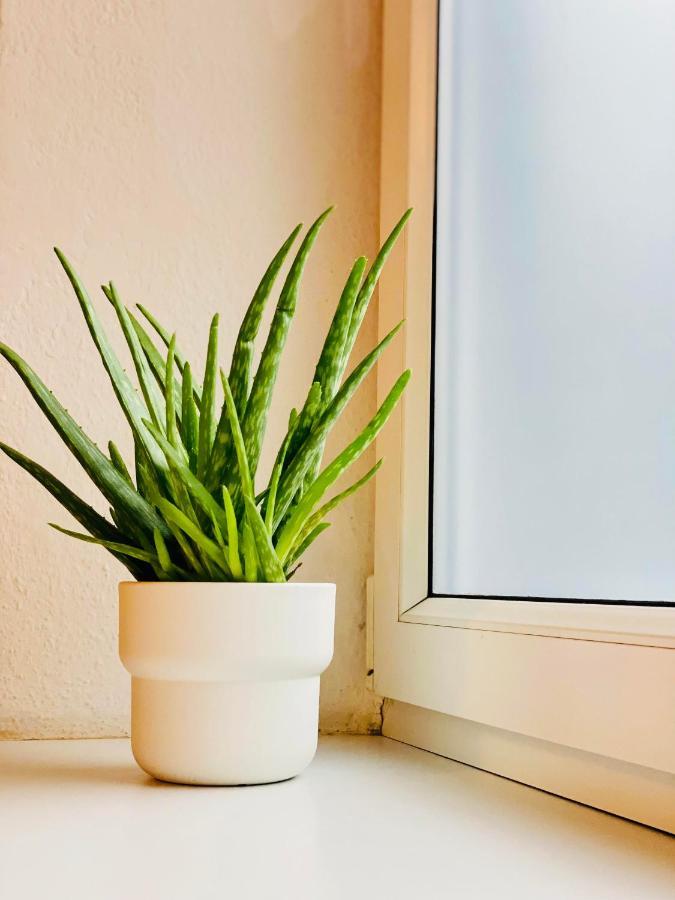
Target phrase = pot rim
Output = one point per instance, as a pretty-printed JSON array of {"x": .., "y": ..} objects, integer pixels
[{"x": 238, "y": 584}]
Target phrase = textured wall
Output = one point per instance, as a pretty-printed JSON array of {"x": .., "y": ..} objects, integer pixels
[{"x": 170, "y": 146}]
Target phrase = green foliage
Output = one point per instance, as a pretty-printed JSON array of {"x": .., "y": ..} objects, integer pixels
[{"x": 188, "y": 509}]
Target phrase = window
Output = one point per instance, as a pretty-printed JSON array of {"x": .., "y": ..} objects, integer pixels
[
  {"x": 532, "y": 466},
  {"x": 554, "y": 436}
]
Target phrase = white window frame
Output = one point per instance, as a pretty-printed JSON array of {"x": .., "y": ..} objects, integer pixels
[{"x": 578, "y": 699}]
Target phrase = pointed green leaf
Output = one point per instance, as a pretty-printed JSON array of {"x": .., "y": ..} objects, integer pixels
[
  {"x": 207, "y": 413},
  {"x": 334, "y": 469},
  {"x": 155, "y": 359},
  {"x": 162, "y": 553},
  {"x": 308, "y": 416},
  {"x": 165, "y": 335},
  {"x": 114, "y": 546},
  {"x": 154, "y": 400},
  {"x": 366, "y": 292},
  {"x": 271, "y": 498},
  {"x": 105, "y": 476},
  {"x": 329, "y": 368},
  {"x": 250, "y": 555},
  {"x": 186, "y": 548},
  {"x": 232, "y": 536},
  {"x": 191, "y": 482},
  {"x": 209, "y": 547},
  {"x": 293, "y": 477},
  {"x": 270, "y": 566},
  {"x": 125, "y": 392},
  {"x": 189, "y": 418},
  {"x": 315, "y": 519},
  {"x": 117, "y": 460},
  {"x": 242, "y": 356},
  {"x": 238, "y": 439},
  {"x": 255, "y": 418},
  {"x": 220, "y": 452},
  {"x": 172, "y": 432},
  {"x": 300, "y": 548},
  {"x": 205, "y": 544},
  {"x": 95, "y": 524},
  {"x": 333, "y": 368}
]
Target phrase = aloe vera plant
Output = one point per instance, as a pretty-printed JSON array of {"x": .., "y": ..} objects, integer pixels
[{"x": 188, "y": 509}]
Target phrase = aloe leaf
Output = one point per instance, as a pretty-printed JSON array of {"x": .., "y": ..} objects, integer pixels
[
  {"x": 162, "y": 553},
  {"x": 196, "y": 566},
  {"x": 172, "y": 432},
  {"x": 301, "y": 548},
  {"x": 207, "y": 413},
  {"x": 191, "y": 482},
  {"x": 205, "y": 544},
  {"x": 114, "y": 546},
  {"x": 220, "y": 451},
  {"x": 332, "y": 367},
  {"x": 271, "y": 496},
  {"x": 154, "y": 400},
  {"x": 334, "y": 469},
  {"x": 177, "y": 482},
  {"x": 117, "y": 460},
  {"x": 315, "y": 519},
  {"x": 116, "y": 519},
  {"x": 189, "y": 418},
  {"x": 155, "y": 359},
  {"x": 250, "y": 556},
  {"x": 146, "y": 481},
  {"x": 329, "y": 368},
  {"x": 238, "y": 439},
  {"x": 270, "y": 565},
  {"x": 165, "y": 335},
  {"x": 255, "y": 418},
  {"x": 105, "y": 476},
  {"x": 232, "y": 536},
  {"x": 218, "y": 534},
  {"x": 307, "y": 418},
  {"x": 125, "y": 392},
  {"x": 293, "y": 476},
  {"x": 219, "y": 539},
  {"x": 366, "y": 292},
  {"x": 242, "y": 356},
  {"x": 86, "y": 515}
]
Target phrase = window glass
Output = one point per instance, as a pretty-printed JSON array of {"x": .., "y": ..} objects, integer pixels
[{"x": 554, "y": 410}]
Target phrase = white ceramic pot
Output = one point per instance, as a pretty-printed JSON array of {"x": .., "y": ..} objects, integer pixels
[{"x": 225, "y": 677}]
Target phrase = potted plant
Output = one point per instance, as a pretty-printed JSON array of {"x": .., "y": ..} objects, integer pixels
[{"x": 224, "y": 649}]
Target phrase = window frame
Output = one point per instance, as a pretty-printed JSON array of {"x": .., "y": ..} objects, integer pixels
[{"x": 585, "y": 678}]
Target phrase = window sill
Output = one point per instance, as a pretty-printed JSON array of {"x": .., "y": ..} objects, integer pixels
[
  {"x": 646, "y": 626},
  {"x": 370, "y": 818}
]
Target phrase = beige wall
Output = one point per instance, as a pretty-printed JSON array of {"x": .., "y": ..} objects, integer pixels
[{"x": 169, "y": 145}]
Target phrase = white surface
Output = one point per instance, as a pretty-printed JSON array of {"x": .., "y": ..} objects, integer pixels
[
  {"x": 225, "y": 677},
  {"x": 556, "y": 374},
  {"x": 639, "y": 793},
  {"x": 369, "y": 819},
  {"x": 170, "y": 146}
]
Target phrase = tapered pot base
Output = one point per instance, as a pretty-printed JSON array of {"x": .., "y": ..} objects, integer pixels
[{"x": 224, "y": 733}]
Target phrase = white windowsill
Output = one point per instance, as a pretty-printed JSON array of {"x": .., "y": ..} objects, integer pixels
[
  {"x": 647, "y": 626},
  {"x": 371, "y": 818}
]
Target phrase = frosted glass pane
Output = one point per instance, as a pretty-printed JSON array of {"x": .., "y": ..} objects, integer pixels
[{"x": 554, "y": 463}]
